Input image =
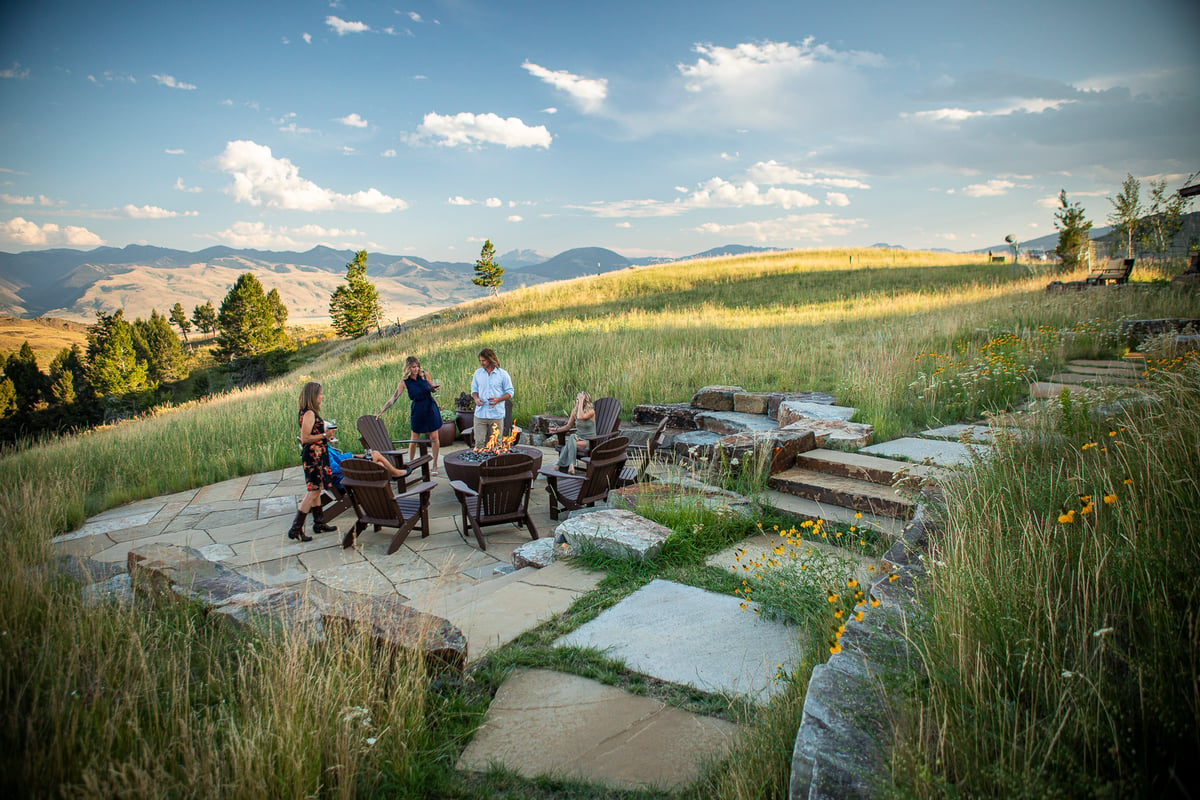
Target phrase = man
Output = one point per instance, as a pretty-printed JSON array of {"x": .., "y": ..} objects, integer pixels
[{"x": 491, "y": 387}]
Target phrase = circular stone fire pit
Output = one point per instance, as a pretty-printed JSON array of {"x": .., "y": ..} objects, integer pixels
[{"x": 464, "y": 465}]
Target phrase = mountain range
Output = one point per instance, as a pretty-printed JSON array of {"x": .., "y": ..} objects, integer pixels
[{"x": 76, "y": 284}]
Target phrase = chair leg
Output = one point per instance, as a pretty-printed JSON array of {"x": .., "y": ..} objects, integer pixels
[
  {"x": 479, "y": 535},
  {"x": 533, "y": 534}
]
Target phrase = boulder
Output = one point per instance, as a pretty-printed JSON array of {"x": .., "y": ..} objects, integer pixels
[
  {"x": 680, "y": 416},
  {"x": 170, "y": 571},
  {"x": 794, "y": 410},
  {"x": 780, "y": 446},
  {"x": 778, "y": 398},
  {"x": 538, "y": 553},
  {"x": 835, "y": 434},
  {"x": 616, "y": 532},
  {"x": 751, "y": 402},
  {"x": 715, "y": 398},
  {"x": 395, "y": 626},
  {"x": 727, "y": 422},
  {"x": 695, "y": 445}
]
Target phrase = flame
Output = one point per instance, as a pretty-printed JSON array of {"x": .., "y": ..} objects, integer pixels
[{"x": 497, "y": 444}]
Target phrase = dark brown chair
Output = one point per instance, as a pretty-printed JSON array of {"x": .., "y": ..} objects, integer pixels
[
  {"x": 608, "y": 422},
  {"x": 604, "y": 466},
  {"x": 374, "y": 436},
  {"x": 370, "y": 491},
  {"x": 503, "y": 496},
  {"x": 641, "y": 456}
]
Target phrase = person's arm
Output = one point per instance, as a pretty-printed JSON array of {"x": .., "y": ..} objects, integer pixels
[
  {"x": 433, "y": 387},
  {"x": 306, "y": 436},
  {"x": 508, "y": 390},
  {"x": 475, "y": 389},
  {"x": 391, "y": 400}
]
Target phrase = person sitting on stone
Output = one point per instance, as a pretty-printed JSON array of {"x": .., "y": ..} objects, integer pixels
[{"x": 583, "y": 419}]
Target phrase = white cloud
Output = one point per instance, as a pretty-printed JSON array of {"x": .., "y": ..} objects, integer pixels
[
  {"x": 169, "y": 81},
  {"x": 748, "y": 65},
  {"x": 307, "y": 37},
  {"x": 588, "y": 93},
  {"x": 389, "y": 153},
  {"x": 949, "y": 237},
  {"x": 175, "y": 151},
  {"x": 179, "y": 186},
  {"x": 796, "y": 228},
  {"x": 343, "y": 26},
  {"x": 992, "y": 188},
  {"x": 16, "y": 71},
  {"x": 836, "y": 199},
  {"x": 773, "y": 172},
  {"x": 471, "y": 129},
  {"x": 713, "y": 193},
  {"x": 352, "y": 120},
  {"x": 516, "y": 218},
  {"x": 23, "y": 232},
  {"x": 259, "y": 235},
  {"x": 549, "y": 110},
  {"x": 154, "y": 212},
  {"x": 493, "y": 202},
  {"x": 29, "y": 200},
  {"x": 459, "y": 200},
  {"x": 287, "y": 124},
  {"x": 728, "y": 157},
  {"x": 624, "y": 224},
  {"x": 261, "y": 179}
]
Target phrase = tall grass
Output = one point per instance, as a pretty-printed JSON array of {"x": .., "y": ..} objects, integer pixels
[
  {"x": 1063, "y": 637},
  {"x": 104, "y": 701}
]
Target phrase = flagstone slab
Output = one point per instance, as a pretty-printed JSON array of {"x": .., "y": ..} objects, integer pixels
[
  {"x": 362, "y": 578},
  {"x": 795, "y": 410},
  {"x": 225, "y": 490},
  {"x": 120, "y": 551},
  {"x": 693, "y": 637},
  {"x": 980, "y": 433},
  {"x": 111, "y": 523},
  {"x": 86, "y": 546},
  {"x": 550, "y": 723},
  {"x": 936, "y": 451}
]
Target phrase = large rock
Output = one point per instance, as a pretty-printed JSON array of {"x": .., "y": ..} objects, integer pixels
[
  {"x": 728, "y": 422},
  {"x": 170, "y": 571},
  {"x": 751, "y": 402},
  {"x": 778, "y": 398},
  {"x": 696, "y": 445},
  {"x": 538, "y": 553},
  {"x": 715, "y": 398},
  {"x": 780, "y": 448},
  {"x": 616, "y": 532},
  {"x": 795, "y": 410},
  {"x": 834, "y": 433},
  {"x": 395, "y": 626},
  {"x": 679, "y": 416}
]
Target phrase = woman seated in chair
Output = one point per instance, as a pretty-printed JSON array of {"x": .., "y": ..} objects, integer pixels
[{"x": 583, "y": 419}]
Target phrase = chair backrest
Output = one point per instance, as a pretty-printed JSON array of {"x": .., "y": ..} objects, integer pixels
[
  {"x": 604, "y": 467},
  {"x": 504, "y": 485},
  {"x": 373, "y": 433},
  {"x": 608, "y": 415},
  {"x": 656, "y": 439},
  {"x": 370, "y": 489}
]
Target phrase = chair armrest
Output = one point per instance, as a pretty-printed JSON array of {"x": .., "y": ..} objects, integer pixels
[
  {"x": 550, "y": 473},
  {"x": 420, "y": 488},
  {"x": 461, "y": 488},
  {"x": 600, "y": 437},
  {"x": 423, "y": 444}
]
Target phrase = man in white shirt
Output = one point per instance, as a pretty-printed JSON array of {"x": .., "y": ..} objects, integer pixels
[{"x": 491, "y": 387}]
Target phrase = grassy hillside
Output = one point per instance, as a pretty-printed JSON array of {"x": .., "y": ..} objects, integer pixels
[
  {"x": 864, "y": 325},
  {"x": 46, "y": 336}
]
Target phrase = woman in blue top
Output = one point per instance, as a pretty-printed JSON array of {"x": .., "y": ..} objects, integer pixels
[{"x": 426, "y": 416}]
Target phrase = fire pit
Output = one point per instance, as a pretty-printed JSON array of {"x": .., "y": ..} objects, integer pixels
[{"x": 464, "y": 465}]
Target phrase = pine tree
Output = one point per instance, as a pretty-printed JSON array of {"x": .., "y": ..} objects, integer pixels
[
  {"x": 8, "y": 398},
  {"x": 205, "y": 317},
  {"x": 28, "y": 381},
  {"x": 354, "y": 306},
  {"x": 112, "y": 364},
  {"x": 488, "y": 273},
  {"x": 158, "y": 346},
  {"x": 248, "y": 322},
  {"x": 179, "y": 317},
  {"x": 67, "y": 380},
  {"x": 1073, "y": 231},
  {"x": 1127, "y": 210}
]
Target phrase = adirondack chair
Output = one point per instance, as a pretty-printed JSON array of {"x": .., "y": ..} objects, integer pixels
[
  {"x": 608, "y": 421},
  {"x": 604, "y": 466},
  {"x": 503, "y": 496},
  {"x": 640, "y": 457},
  {"x": 375, "y": 504},
  {"x": 1117, "y": 271},
  {"x": 374, "y": 436}
]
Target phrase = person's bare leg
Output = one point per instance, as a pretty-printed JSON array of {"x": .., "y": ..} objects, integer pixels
[{"x": 434, "y": 437}]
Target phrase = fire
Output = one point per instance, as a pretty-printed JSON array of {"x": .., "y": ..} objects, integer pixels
[{"x": 497, "y": 444}]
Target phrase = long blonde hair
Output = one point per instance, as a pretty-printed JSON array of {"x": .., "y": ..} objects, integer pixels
[{"x": 310, "y": 397}]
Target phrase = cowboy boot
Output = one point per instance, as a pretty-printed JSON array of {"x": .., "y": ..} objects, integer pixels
[
  {"x": 319, "y": 526},
  {"x": 297, "y": 529}
]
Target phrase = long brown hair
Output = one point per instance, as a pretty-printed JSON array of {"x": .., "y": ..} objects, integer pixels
[
  {"x": 310, "y": 397},
  {"x": 489, "y": 355}
]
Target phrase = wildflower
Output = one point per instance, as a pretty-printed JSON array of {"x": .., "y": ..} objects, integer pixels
[
  {"x": 893, "y": 578},
  {"x": 743, "y": 605},
  {"x": 870, "y": 568},
  {"x": 858, "y": 515},
  {"x": 858, "y": 616},
  {"x": 874, "y": 602},
  {"x": 1109, "y": 499},
  {"x": 1128, "y": 481},
  {"x": 1066, "y": 518},
  {"x": 832, "y": 597},
  {"x": 1112, "y": 433},
  {"x": 837, "y": 614},
  {"x": 852, "y": 583},
  {"x": 837, "y": 648}
]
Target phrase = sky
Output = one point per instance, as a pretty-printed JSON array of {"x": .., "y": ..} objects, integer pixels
[{"x": 653, "y": 128}]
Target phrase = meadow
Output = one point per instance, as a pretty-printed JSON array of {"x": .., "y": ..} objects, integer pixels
[{"x": 109, "y": 701}]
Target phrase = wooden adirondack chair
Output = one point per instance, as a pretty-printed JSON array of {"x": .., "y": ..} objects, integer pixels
[
  {"x": 640, "y": 457},
  {"x": 608, "y": 421},
  {"x": 370, "y": 491},
  {"x": 604, "y": 466},
  {"x": 503, "y": 496},
  {"x": 374, "y": 436}
]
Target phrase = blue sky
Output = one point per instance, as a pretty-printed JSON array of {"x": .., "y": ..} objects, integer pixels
[{"x": 651, "y": 128}]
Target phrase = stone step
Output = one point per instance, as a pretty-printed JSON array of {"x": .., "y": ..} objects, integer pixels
[
  {"x": 885, "y": 471},
  {"x": 802, "y": 508},
  {"x": 1093, "y": 366},
  {"x": 1102, "y": 379},
  {"x": 852, "y": 493}
]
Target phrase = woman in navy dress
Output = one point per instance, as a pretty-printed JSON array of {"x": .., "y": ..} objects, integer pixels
[{"x": 426, "y": 416}]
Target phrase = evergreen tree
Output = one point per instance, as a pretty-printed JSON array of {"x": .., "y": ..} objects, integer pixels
[
  {"x": 179, "y": 317},
  {"x": 205, "y": 317},
  {"x": 248, "y": 323},
  {"x": 67, "y": 380},
  {"x": 354, "y": 306},
  {"x": 8, "y": 398},
  {"x": 1073, "y": 231},
  {"x": 28, "y": 381},
  {"x": 112, "y": 364},
  {"x": 278, "y": 312},
  {"x": 1127, "y": 210},
  {"x": 157, "y": 345},
  {"x": 487, "y": 272}
]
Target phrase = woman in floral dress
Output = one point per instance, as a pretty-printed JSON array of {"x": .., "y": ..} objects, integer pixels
[{"x": 313, "y": 455}]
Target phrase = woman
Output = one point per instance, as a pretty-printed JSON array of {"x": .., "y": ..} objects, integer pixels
[
  {"x": 315, "y": 458},
  {"x": 583, "y": 418},
  {"x": 426, "y": 416}
]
